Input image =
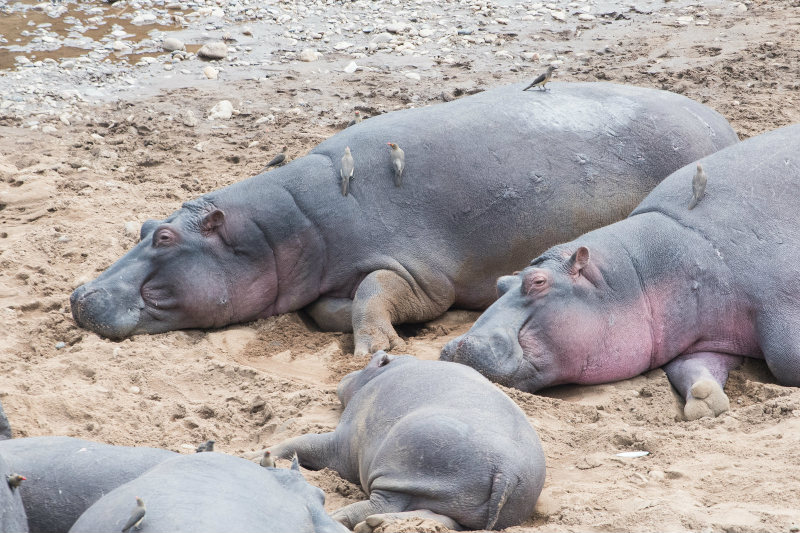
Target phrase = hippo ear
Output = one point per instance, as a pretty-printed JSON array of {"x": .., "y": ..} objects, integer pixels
[
  {"x": 385, "y": 360},
  {"x": 504, "y": 283},
  {"x": 212, "y": 221},
  {"x": 579, "y": 260}
]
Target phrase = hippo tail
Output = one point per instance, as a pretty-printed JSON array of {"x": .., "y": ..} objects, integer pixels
[{"x": 501, "y": 489}]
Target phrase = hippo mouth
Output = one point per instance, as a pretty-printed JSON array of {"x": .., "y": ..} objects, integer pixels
[{"x": 96, "y": 309}]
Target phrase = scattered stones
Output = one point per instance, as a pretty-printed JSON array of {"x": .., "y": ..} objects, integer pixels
[
  {"x": 309, "y": 54},
  {"x": 171, "y": 44},
  {"x": 211, "y": 73},
  {"x": 217, "y": 50},
  {"x": 223, "y": 110}
]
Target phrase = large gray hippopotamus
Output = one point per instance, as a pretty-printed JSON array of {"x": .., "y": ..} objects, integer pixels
[
  {"x": 431, "y": 439},
  {"x": 690, "y": 290},
  {"x": 66, "y": 475},
  {"x": 488, "y": 178},
  {"x": 213, "y": 492}
]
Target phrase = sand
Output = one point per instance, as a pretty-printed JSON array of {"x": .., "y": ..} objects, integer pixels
[{"x": 65, "y": 199}]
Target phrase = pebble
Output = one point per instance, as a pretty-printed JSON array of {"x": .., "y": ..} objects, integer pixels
[
  {"x": 189, "y": 119},
  {"x": 351, "y": 67},
  {"x": 426, "y": 32},
  {"x": 135, "y": 390},
  {"x": 396, "y": 28},
  {"x": 342, "y": 45},
  {"x": 211, "y": 73},
  {"x": 171, "y": 44},
  {"x": 132, "y": 228},
  {"x": 413, "y": 76},
  {"x": 309, "y": 54},
  {"x": 218, "y": 50},
  {"x": 223, "y": 110},
  {"x": 585, "y": 17},
  {"x": 49, "y": 129},
  {"x": 559, "y": 15},
  {"x": 119, "y": 46},
  {"x": 741, "y": 8},
  {"x": 60, "y": 345}
]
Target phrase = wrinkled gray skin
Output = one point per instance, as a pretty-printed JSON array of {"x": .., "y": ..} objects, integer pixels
[
  {"x": 67, "y": 475},
  {"x": 5, "y": 427},
  {"x": 692, "y": 291},
  {"x": 213, "y": 492},
  {"x": 12, "y": 512},
  {"x": 489, "y": 178},
  {"x": 429, "y": 436}
]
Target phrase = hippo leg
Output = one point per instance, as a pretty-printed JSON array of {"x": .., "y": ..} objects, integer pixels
[
  {"x": 377, "y": 520},
  {"x": 384, "y": 298},
  {"x": 332, "y": 314},
  {"x": 314, "y": 451},
  {"x": 779, "y": 339},
  {"x": 700, "y": 378},
  {"x": 380, "y": 502}
]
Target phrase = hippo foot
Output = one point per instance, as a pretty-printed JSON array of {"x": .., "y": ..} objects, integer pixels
[
  {"x": 422, "y": 521},
  {"x": 706, "y": 398},
  {"x": 369, "y": 343}
]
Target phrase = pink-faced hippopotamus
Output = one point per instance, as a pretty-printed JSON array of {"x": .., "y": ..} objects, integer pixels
[
  {"x": 431, "y": 439},
  {"x": 690, "y": 290},
  {"x": 213, "y": 493},
  {"x": 487, "y": 179}
]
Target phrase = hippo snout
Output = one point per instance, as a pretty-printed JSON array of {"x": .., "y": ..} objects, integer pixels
[
  {"x": 496, "y": 355},
  {"x": 98, "y": 310}
]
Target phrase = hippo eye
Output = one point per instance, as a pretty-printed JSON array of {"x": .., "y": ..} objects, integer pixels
[
  {"x": 535, "y": 282},
  {"x": 164, "y": 237}
]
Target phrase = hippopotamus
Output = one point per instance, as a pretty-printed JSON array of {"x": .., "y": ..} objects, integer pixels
[
  {"x": 487, "y": 179},
  {"x": 429, "y": 438},
  {"x": 12, "y": 511},
  {"x": 66, "y": 475},
  {"x": 692, "y": 291},
  {"x": 214, "y": 492}
]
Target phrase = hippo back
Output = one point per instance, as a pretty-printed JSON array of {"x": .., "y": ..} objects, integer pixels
[
  {"x": 213, "y": 492},
  {"x": 67, "y": 475}
]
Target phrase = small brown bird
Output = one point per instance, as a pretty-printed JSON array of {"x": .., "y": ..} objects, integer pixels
[
  {"x": 398, "y": 163},
  {"x": 347, "y": 169},
  {"x": 207, "y": 446},
  {"x": 278, "y": 159},
  {"x": 14, "y": 480},
  {"x": 698, "y": 186},
  {"x": 542, "y": 79},
  {"x": 267, "y": 461},
  {"x": 137, "y": 515}
]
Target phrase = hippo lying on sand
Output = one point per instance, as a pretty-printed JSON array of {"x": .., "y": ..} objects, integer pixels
[
  {"x": 487, "y": 179},
  {"x": 66, "y": 475},
  {"x": 212, "y": 492},
  {"x": 690, "y": 289},
  {"x": 431, "y": 437}
]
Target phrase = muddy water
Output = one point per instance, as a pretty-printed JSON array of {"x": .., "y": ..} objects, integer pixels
[{"x": 69, "y": 28}]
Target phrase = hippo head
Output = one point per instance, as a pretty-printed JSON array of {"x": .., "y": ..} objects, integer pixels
[
  {"x": 553, "y": 323},
  {"x": 378, "y": 364},
  {"x": 198, "y": 268}
]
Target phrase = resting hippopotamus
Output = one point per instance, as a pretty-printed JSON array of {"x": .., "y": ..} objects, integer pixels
[
  {"x": 431, "y": 437},
  {"x": 214, "y": 492},
  {"x": 12, "y": 511},
  {"x": 471, "y": 207},
  {"x": 690, "y": 290},
  {"x": 67, "y": 475}
]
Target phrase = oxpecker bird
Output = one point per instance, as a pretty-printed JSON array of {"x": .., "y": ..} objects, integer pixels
[
  {"x": 14, "y": 480},
  {"x": 698, "y": 186},
  {"x": 398, "y": 163},
  {"x": 137, "y": 515},
  {"x": 542, "y": 79},
  {"x": 278, "y": 159},
  {"x": 267, "y": 461},
  {"x": 346, "y": 172},
  {"x": 207, "y": 446},
  {"x": 356, "y": 120}
]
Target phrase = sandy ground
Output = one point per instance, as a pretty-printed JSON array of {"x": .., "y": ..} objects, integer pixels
[{"x": 71, "y": 202}]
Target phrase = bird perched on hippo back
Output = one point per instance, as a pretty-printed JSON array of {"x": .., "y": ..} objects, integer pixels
[
  {"x": 488, "y": 191},
  {"x": 346, "y": 170},
  {"x": 137, "y": 516},
  {"x": 698, "y": 186},
  {"x": 542, "y": 79},
  {"x": 207, "y": 446},
  {"x": 398, "y": 159},
  {"x": 690, "y": 291},
  {"x": 428, "y": 439}
]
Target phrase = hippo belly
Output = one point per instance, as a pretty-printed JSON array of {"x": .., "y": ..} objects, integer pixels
[
  {"x": 705, "y": 271},
  {"x": 429, "y": 439},
  {"x": 213, "y": 492},
  {"x": 487, "y": 180}
]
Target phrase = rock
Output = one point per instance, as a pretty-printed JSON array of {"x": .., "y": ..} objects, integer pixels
[
  {"x": 504, "y": 53},
  {"x": 119, "y": 46},
  {"x": 144, "y": 18},
  {"x": 189, "y": 119},
  {"x": 247, "y": 31},
  {"x": 396, "y": 27},
  {"x": 351, "y": 67},
  {"x": 132, "y": 228},
  {"x": 64, "y": 118},
  {"x": 60, "y": 345},
  {"x": 559, "y": 15},
  {"x": 413, "y": 76},
  {"x": 426, "y": 32},
  {"x": 218, "y": 50},
  {"x": 223, "y": 110},
  {"x": 171, "y": 44},
  {"x": 48, "y": 128},
  {"x": 135, "y": 390},
  {"x": 68, "y": 64},
  {"x": 741, "y": 8},
  {"x": 586, "y": 17},
  {"x": 342, "y": 45},
  {"x": 309, "y": 54},
  {"x": 211, "y": 73}
]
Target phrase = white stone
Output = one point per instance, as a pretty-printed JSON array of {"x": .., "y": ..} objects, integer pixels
[
  {"x": 558, "y": 15},
  {"x": 426, "y": 32},
  {"x": 132, "y": 228},
  {"x": 171, "y": 44},
  {"x": 413, "y": 76},
  {"x": 585, "y": 17},
  {"x": 342, "y": 45},
  {"x": 223, "y": 110},
  {"x": 351, "y": 67},
  {"x": 189, "y": 119},
  {"x": 741, "y": 8},
  {"x": 211, "y": 73},
  {"x": 218, "y": 50},
  {"x": 309, "y": 54},
  {"x": 119, "y": 46}
]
